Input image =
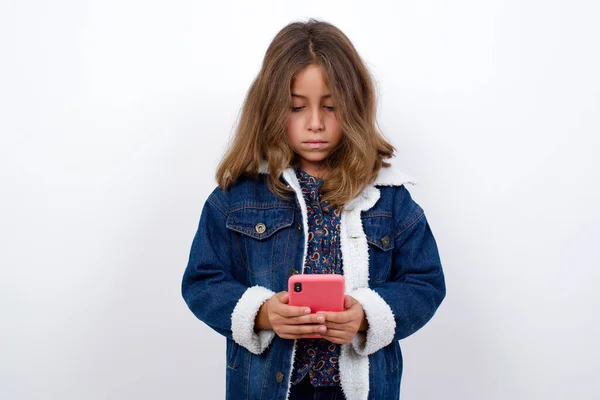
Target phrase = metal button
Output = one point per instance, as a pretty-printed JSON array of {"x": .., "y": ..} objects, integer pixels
[
  {"x": 279, "y": 377},
  {"x": 299, "y": 226},
  {"x": 260, "y": 228},
  {"x": 385, "y": 240}
]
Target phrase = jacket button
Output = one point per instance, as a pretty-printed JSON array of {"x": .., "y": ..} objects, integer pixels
[
  {"x": 260, "y": 228},
  {"x": 299, "y": 225},
  {"x": 279, "y": 377},
  {"x": 385, "y": 240}
]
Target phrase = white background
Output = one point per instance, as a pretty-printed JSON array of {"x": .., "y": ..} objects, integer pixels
[{"x": 113, "y": 115}]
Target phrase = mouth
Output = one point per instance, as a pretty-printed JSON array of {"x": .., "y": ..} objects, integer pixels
[{"x": 315, "y": 144}]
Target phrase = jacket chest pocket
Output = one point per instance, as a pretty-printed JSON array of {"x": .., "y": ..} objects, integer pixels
[
  {"x": 262, "y": 236},
  {"x": 379, "y": 230}
]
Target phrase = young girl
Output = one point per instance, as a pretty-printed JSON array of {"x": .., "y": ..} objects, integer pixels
[{"x": 307, "y": 187}]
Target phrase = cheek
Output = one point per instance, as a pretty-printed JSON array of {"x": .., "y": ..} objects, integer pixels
[
  {"x": 332, "y": 120},
  {"x": 291, "y": 130},
  {"x": 336, "y": 128}
]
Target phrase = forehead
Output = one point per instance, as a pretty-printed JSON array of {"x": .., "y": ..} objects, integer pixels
[{"x": 310, "y": 83}]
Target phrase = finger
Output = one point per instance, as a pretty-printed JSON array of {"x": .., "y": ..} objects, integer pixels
[
  {"x": 290, "y": 311},
  {"x": 335, "y": 325},
  {"x": 337, "y": 334},
  {"x": 303, "y": 320},
  {"x": 318, "y": 318},
  {"x": 334, "y": 339},
  {"x": 340, "y": 317},
  {"x": 302, "y": 330},
  {"x": 311, "y": 336}
]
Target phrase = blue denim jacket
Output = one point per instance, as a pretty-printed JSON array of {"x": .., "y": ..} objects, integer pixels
[{"x": 249, "y": 241}]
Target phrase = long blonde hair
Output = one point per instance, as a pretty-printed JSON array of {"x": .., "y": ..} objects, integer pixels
[{"x": 261, "y": 131}]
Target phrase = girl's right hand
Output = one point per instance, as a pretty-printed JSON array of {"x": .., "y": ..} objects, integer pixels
[{"x": 290, "y": 322}]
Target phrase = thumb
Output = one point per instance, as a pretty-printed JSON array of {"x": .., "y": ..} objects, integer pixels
[
  {"x": 284, "y": 297},
  {"x": 347, "y": 301}
]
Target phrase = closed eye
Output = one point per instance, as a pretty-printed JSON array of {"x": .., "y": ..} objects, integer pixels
[{"x": 296, "y": 109}]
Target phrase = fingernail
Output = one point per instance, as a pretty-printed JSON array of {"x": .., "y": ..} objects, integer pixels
[
  {"x": 322, "y": 329},
  {"x": 307, "y": 311},
  {"x": 320, "y": 318}
]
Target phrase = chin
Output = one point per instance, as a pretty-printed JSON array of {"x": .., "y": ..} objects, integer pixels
[{"x": 315, "y": 157}]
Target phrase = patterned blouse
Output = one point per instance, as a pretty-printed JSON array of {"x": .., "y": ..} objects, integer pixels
[{"x": 318, "y": 357}]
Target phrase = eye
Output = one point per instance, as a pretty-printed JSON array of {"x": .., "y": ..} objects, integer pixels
[
  {"x": 330, "y": 108},
  {"x": 296, "y": 109}
]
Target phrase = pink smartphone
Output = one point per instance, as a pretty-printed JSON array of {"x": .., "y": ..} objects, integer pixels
[{"x": 319, "y": 292}]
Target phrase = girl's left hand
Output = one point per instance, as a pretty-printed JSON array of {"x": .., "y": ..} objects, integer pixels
[{"x": 343, "y": 326}]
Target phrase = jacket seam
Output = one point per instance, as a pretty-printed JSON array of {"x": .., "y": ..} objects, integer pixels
[
  {"x": 240, "y": 252},
  {"x": 411, "y": 223},
  {"x": 234, "y": 226},
  {"x": 376, "y": 213},
  {"x": 264, "y": 206},
  {"x": 213, "y": 200}
]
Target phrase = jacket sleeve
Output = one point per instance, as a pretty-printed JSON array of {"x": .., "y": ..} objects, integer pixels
[
  {"x": 209, "y": 287},
  {"x": 408, "y": 300}
]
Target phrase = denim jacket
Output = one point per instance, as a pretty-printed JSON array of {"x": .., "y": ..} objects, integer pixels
[{"x": 248, "y": 243}]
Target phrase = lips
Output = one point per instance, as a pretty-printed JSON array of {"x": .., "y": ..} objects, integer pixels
[{"x": 315, "y": 144}]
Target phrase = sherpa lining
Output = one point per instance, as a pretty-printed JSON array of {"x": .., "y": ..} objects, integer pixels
[{"x": 243, "y": 316}]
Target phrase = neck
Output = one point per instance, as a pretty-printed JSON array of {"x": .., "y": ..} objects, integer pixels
[{"x": 320, "y": 172}]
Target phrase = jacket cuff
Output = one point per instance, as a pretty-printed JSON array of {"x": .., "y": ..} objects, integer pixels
[
  {"x": 382, "y": 323},
  {"x": 242, "y": 320}
]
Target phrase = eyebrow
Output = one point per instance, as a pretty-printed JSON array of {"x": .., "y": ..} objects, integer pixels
[{"x": 304, "y": 97}]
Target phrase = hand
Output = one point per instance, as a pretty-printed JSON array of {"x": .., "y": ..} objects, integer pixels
[
  {"x": 343, "y": 326},
  {"x": 287, "y": 321}
]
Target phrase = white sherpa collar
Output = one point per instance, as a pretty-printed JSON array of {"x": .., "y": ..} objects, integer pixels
[{"x": 388, "y": 176}]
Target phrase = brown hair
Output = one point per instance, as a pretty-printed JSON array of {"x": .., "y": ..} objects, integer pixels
[{"x": 261, "y": 132}]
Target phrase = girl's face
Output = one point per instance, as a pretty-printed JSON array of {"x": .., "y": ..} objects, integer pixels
[{"x": 313, "y": 129}]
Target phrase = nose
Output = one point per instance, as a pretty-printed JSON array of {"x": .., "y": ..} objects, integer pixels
[{"x": 315, "y": 120}]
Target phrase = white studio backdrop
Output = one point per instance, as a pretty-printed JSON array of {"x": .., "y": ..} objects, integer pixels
[{"x": 114, "y": 114}]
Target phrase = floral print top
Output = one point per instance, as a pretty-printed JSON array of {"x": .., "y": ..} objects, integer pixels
[{"x": 318, "y": 357}]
